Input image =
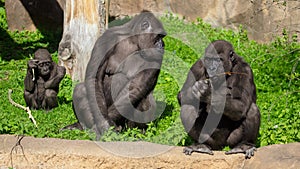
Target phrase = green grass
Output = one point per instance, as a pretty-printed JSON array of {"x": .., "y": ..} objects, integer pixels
[{"x": 275, "y": 66}]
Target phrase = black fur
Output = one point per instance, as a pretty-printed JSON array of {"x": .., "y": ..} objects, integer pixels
[
  {"x": 121, "y": 76},
  {"x": 220, "y": 92},
  {"x": 42, "y": 81}
]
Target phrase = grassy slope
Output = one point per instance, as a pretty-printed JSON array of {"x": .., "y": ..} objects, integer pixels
[{"x": 275, "y": 68}]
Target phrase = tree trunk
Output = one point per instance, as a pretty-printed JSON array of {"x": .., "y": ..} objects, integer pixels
[{"x": 84, "y": 22}]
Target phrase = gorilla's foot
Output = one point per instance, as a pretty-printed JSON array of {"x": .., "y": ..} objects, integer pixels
[
  {"x": 75, "y": 126},
  {"x": 199, "y": 148},
  {"x": 248, "y": 152}
]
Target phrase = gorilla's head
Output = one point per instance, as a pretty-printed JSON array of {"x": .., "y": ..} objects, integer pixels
[
  {"x": 218, "y": 58},
  {"x": 149, "y": 33},
  {"x": 44, "y": 62}
]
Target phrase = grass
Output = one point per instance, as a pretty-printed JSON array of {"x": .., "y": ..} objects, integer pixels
[{"x": 275, "y": 66}]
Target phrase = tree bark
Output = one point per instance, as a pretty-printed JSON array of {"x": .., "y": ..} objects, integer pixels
[{"x": 84, "y": 22}]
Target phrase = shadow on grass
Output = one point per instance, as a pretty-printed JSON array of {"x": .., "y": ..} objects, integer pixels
[{"x": 11, "y": 50}]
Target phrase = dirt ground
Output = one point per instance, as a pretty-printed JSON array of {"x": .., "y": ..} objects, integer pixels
[{"x": 58, "y": 153}]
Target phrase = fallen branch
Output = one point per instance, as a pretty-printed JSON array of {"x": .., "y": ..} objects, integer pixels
[
  {"x": 18, "y": 143},
  {"x": 22, "y": 107}
]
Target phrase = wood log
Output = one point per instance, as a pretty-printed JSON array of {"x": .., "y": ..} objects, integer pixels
[{"x": 84, "y": 22}]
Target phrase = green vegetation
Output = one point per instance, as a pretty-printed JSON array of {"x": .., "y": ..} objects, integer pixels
[{"x": 275, "y": 66}]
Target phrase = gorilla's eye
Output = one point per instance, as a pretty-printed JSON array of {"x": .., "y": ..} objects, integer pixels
[
  {"x": 208, "y": 59},
  {"x": 145, "y": 25},
  {"x": 231, "y": 55},
  {"x": 42, "y": 64}
]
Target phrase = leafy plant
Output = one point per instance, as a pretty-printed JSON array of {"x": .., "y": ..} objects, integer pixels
[{"x": 275, "y": 67}]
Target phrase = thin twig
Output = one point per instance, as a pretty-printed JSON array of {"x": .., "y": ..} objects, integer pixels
[
  {"x": 226, "y": 73},
  {"x": 277, "y": 56},
  {"x": 290, "y": 82},
  {"x": 230, "y": 73},
  {"x": 22, "y": 107},
  {"x": 277, "y": 100},
  {"x": 18, "y": 143}
]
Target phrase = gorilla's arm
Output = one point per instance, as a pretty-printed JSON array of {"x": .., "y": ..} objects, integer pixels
[
  {"x": 139, "y": 87},
  {"x": 142, "y": 85},
  {"x": 28, "y": 82},
  {"x": 241, "y": 92},
  {"x": 186, "y": 96},
  {"x": 93, "y": 83},
  {"x": 57, "y": 75},
  {"x": 88, "y": 97},
  {"x": 95, "y": 73},
  {"x": 189, "y": 102}
]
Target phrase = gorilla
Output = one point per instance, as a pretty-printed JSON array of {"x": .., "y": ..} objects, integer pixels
[
  {"x": 120, "y": 77},
  {"x": 42, "y": 81},
  {"x": 218, "y": 103}
]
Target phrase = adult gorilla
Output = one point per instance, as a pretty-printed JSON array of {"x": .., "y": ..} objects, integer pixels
[
  {"x": 121, "y": 76},
  {"x": 218, "y": 103}
]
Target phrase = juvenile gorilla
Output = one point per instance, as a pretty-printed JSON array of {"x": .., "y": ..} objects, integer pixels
[
  {"x": 218, "y": 103},
  {"x": 121, "y": 76},
  {"x": 42, "y": 81}
]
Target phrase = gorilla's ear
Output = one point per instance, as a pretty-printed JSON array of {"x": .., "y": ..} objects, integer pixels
[
  {"x": 231, "y": 56},
  {"x": 145, "y": 25}
]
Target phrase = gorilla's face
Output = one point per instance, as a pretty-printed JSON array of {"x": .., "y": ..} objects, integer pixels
[
  {"x": 45, "y": 63},
  {"x": 44, "y": 67},
  {"x": 213, "y": 65},
  {"x": 150, "y": 38},
  {"x": 218, "y": 58}
]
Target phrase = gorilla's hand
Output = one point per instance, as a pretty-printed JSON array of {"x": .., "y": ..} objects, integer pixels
[
  {"x": 200, "y": 88},
  {"x": 32, "y": 64}
]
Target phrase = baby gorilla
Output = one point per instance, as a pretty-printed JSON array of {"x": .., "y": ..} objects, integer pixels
[
  {"x": 42, "y": 81},
  {"x": 218, "y": 103}
]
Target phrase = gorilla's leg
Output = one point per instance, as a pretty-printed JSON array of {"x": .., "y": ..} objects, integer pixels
[
  {"x": 250, "y": 128},
  {"x": 235, "y": 137},
  {"x": 50, "y": 99},
  {"x": 125, "y": 107},
  {"x": 115, "y": 85},
  {"x": 129, "y": 100},
  {"x": 193, "y": 122},
  {"x": 148, "y": 104},
  {"x": 81, "y": 108},
  {"x": 30, "y": 100}
]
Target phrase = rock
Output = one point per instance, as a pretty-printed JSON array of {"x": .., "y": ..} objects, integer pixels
[
  {"x": 59, "y": 153},
  {"x": 263, "y": 19},
  {"x": 33, "y": 14},
  {"x": 276, "y": 156},
  {"x": 122, "y": 8}
]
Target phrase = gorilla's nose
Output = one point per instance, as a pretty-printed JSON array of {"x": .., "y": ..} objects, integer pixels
[{"x": 212, "y": 69}]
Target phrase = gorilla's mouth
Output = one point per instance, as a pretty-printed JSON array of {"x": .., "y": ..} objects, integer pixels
[
  {"x": 159, "y": 43},
  {"x": 45, "y": 72},
  {"x": 211, "y": 74}
]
